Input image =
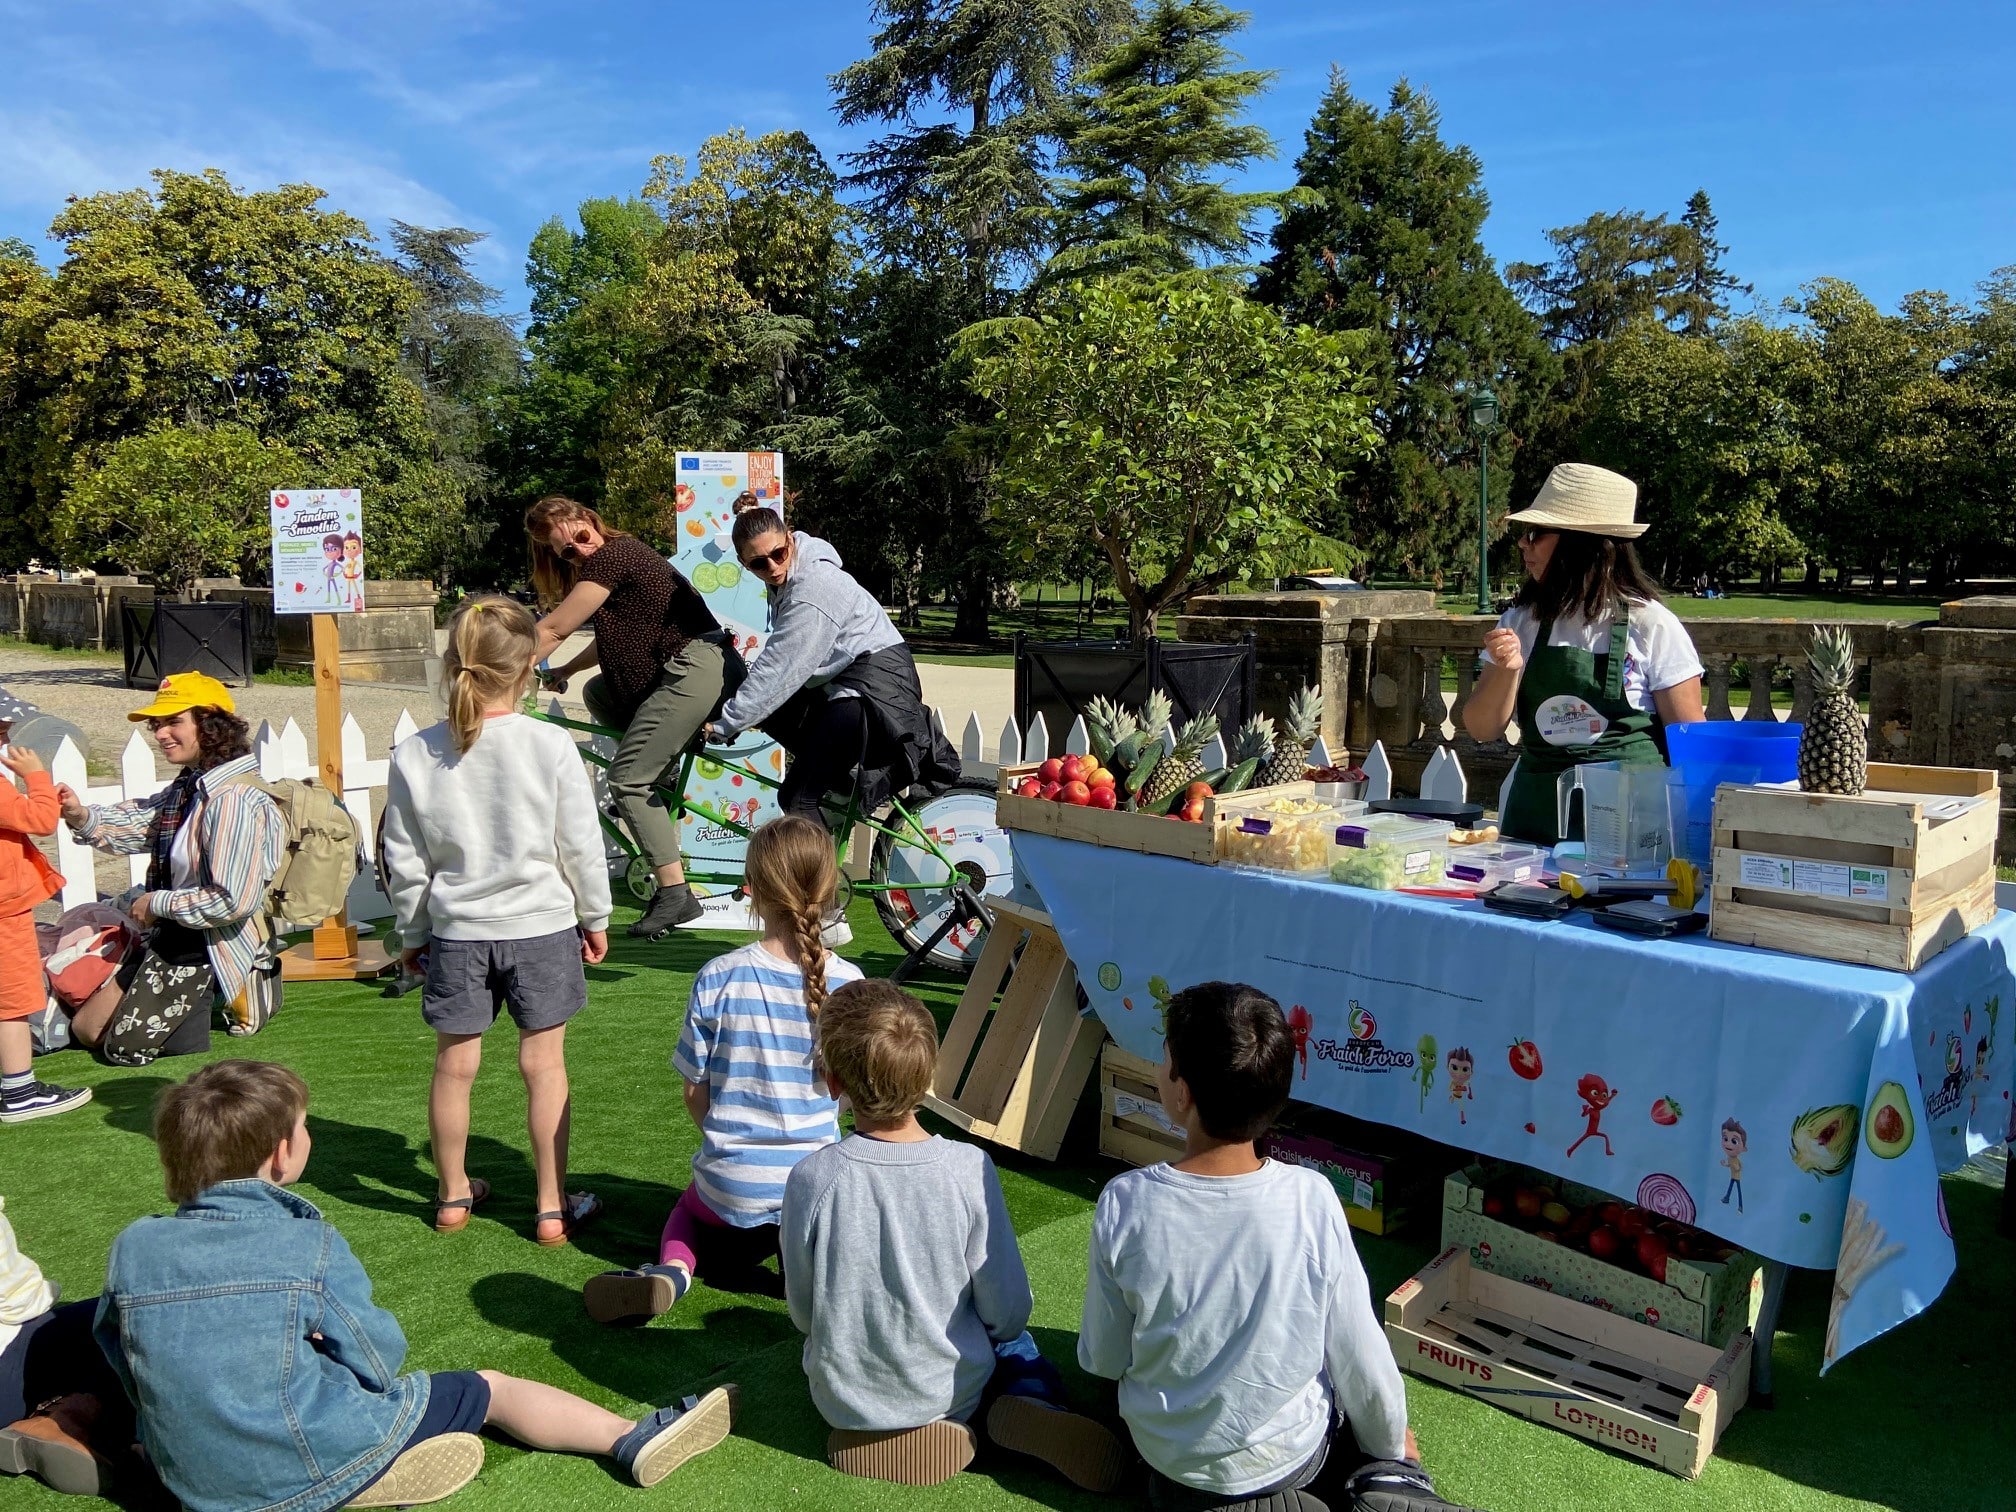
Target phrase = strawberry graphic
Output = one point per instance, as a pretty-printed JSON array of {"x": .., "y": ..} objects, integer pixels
[
  {"x": 1525, "y": 1058},
  {"x": 1666, "y": 1112}
]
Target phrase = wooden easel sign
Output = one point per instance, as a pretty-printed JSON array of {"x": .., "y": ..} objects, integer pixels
[{"x": 318, "y": 570}]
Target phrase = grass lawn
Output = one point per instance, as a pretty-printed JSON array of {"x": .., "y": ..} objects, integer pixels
[{"x": 1917, "y": 1421}]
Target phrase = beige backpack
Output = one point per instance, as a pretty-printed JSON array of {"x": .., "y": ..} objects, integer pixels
[{"x": 319, "y": 862}]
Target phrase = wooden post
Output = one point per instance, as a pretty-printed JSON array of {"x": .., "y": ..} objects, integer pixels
[{"x": 333, "y": 953}]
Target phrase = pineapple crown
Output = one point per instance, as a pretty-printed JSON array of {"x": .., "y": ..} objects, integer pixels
[
  {"x": 1256, "y": 740},
  {"x": 1195, "y": 735},
  {"x": 1156, "y": 713},
  {"x": 1114, "y": 718},
  {"x": 1832, "y": 657},
  {"x": 1305, "y": 713}
]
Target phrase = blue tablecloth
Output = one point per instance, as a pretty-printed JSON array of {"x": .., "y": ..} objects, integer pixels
[{"x": 1849, "y": 1089}]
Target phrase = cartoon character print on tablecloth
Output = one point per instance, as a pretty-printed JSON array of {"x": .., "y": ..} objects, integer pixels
[
  {"x": 1596, "y": 1095},
  {"x": 1299, "y": 1024},
  {"x": 1461, "y": 1066},
  {"x": 1984, "y": 1055},
  {"x": 1954, "y": 1086},
  {"x": 1735, "y": 1144},
  {"x": 1424, "y": 1069},
  {"x": 1158, "y": 989}
]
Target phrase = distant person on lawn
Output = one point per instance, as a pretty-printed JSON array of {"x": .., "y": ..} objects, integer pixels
[
  {"x": 26, "y": 879},
  {"x": 263, "y": 1373},
  {"x": 902, "y": 1271},
  {"x": 835, "y": 683},
  {"x": 494, "y": 864},
  {"x": 665, "y": 663},
  {"x": 215, "y": 841}
]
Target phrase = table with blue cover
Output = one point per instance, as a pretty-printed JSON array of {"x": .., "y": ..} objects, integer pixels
[{"x": 1801, "y": 1108}]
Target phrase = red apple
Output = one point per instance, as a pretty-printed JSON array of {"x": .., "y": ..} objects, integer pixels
[
  {"x": 1527, "y": 1203},
  {"x": 1051, "y": 770},
  {"x": 1102, "y": 779},
  {"x": 1193, "y": 810},
  {"x": 1029, "y": 787},
  {"x": 1076, "y": 792},
  {"x": 1631, "y": 1225},
  {"x": 1051, "y": 790},
  {"x": 1652, "y": 1255},
  {"x": 1603, "y": 1243},
  {"x": 1102, "y": 797}
]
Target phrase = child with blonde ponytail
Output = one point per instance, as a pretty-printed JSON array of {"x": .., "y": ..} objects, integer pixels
[
  {"x": 746, "y": 1059},
  {"x": 496, "y": 872}
]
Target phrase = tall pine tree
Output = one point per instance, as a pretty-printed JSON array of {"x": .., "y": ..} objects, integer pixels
[
  {"x": 1700, "y": 298},
  {"x": 1146, "y": 137},
  {"x": 1385, "y": 241}
]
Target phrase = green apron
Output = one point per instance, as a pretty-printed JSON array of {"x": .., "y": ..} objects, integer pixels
[{"x": 1565, "y": 686}]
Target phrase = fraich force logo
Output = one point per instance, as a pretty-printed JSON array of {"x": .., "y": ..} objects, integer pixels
[{"x": 1363, "y": 1051}]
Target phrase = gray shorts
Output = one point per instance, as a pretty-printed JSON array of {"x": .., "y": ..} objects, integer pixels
[{"x": 470, "y": 981}]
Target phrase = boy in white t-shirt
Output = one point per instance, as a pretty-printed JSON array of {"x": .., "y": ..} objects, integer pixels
[{"x": 1246, "y": 1369}]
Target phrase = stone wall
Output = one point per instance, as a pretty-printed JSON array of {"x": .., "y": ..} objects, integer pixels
[{"x": 390, "y": 641}]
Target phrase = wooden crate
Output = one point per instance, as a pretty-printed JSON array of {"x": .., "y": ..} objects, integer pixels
[
  {"x": 1611, "y": 1380},
  {"x": 1888, "y": 878},
  {"x": 1132, "y": 1125},
  {"x": 1012, "y": 1072},
  {"x": 1119, "y": 829}
]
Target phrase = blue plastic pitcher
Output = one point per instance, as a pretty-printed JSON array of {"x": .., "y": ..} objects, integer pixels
[{"x": 1726, "y": 750}]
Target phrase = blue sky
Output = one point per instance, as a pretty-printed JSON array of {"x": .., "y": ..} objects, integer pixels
[{"x": 1871, "y": 141}]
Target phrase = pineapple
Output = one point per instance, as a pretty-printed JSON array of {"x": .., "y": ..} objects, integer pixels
[
  {"x": 1156, "y": 714},
  {"x": 1180, "y": 767},
  {"x": 1254, "y": 742},
  {"x": 1834, "y": 746},
  {"x": 1291, "y": 749},
  {"x": 1108, "y": 723}
]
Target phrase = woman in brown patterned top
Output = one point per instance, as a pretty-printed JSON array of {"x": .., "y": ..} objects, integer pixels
[{"x": 664, "y": 660}]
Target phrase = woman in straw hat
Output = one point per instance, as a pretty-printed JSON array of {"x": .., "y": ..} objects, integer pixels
[{"x": 1594, "y": 665}]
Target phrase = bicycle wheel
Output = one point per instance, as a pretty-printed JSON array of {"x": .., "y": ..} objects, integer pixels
[{"x": 911, "y": 893}]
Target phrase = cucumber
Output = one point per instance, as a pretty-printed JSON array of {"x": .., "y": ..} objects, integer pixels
[
  {"x": 1237, "y": 779},
  {"x": 1215, "y": 776},
  {"x": 1128, "y": 751},
  {"x": 1102, "y": 743},
  {"x": 1139, "y": 773},
  {"x": 1176, "y": 801}
]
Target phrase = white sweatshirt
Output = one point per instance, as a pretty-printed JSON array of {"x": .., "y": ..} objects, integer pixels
[
  {"x": 24, "y": 1294},
  {"x": 498, "y": 843}
]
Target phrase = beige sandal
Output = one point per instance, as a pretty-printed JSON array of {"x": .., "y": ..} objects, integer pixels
[
  {"x": 1081, "y": 1449},
  {"x": 459, "y": 1207},
  {"x": 927, "y": 1456},
  {"x": 579, "y": 1209},
  {"x": 432, "y": 1470}
]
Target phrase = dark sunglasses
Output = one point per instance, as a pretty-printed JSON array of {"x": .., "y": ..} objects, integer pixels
[
  {"x": 1532, "y": 535},
  {"x": 768, "y": 558},
  {"x": 573, "y": 548}
]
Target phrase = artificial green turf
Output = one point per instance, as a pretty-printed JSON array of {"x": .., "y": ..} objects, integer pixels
[{"x": 1916, "y": 1421}]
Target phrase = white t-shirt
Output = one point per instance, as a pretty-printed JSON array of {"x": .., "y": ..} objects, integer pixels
[
  {"x": 1658, "y": 652},
  {"x": 1237, "y": 1318}
]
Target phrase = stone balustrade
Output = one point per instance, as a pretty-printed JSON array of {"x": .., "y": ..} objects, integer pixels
[{"x": 1941, "y": 693}]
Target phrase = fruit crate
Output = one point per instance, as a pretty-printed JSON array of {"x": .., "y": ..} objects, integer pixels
[
  {"x": 1652, "y": 1395},
  {"x": 1132, "y": 1125},
  {"x": 1120, "y": 829},
  {"x": 1887, "y": 878},
  {"x": 1367, "y": 1185}
]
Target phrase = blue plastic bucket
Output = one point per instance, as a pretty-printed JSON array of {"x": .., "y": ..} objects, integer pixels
[{"x": 1717, "y": 751}]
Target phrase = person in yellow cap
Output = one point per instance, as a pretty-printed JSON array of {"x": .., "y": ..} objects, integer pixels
[{"x": 214, "y": 840}]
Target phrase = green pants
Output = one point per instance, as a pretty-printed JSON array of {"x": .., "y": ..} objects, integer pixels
[{"x": 657, "y": 735}]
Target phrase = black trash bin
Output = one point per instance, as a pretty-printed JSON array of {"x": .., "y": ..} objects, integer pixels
[
  {"x": 165, "y": 636},
  {"x": 1057, "y": 679}
]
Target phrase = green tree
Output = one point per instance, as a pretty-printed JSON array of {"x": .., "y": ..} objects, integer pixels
[
  {"x": 1701, "y": 286},
  {"x": 1386, "y": 240},
  {"x": 1146, "y": 135},
  {"x": 1189, "y": 433},
  {"x": 196, "y": 306},
  {"x": 954, "y": 199},
  {"x": 175, "y": 503},
  {"x": 23, "y": 520}
]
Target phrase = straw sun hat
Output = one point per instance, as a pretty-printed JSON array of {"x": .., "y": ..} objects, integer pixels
[{"x": 1593, "y": 500}]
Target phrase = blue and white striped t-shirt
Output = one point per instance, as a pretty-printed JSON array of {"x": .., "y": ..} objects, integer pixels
[{"x": 748, "y": 1037}]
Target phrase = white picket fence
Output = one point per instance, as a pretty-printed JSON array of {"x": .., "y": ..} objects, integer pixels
[{"x": 286, "y": 753}]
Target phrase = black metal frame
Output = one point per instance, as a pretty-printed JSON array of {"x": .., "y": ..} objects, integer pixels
[
  {"x": 1057, "y": 679},
  {"x": 162, "y": 636}
]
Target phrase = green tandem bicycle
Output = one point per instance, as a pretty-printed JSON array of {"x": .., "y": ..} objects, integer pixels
[{"x": 931, "y": 863}]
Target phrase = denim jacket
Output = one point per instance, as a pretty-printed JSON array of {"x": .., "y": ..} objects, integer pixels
[{"x": 264, "y": 1375}]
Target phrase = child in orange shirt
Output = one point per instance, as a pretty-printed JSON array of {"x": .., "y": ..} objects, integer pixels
[{"x": 25, "y": 880}]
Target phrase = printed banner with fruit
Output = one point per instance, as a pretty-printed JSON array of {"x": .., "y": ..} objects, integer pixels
[
  {"x": 703, "y": 502},
  {"x": 318, "y": 550},
  {"x": 1796, "y": 1108}
]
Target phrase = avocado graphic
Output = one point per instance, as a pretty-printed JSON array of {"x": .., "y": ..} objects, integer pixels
[
  {"x": 1889, "y": 1127},
  {"x": 1823, "y": 1139}
]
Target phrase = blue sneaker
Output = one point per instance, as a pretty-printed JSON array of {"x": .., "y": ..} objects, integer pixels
[{"x": 664, "y": 1440}]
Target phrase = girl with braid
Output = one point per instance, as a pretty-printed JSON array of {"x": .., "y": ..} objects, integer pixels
[{"x": 745, "y": 1057}]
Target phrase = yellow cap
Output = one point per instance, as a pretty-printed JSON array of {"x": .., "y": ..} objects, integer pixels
[{"x": 186, "y": 690}]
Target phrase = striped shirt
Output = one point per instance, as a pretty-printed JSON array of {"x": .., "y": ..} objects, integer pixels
[{"x": 748, "y": 1037}]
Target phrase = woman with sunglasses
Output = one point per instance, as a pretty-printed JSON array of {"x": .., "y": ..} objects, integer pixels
[
  {"x": 835, "y": 683},
  {"x": 1592, "y": 663},
  {"x": 664, "y": 660}
]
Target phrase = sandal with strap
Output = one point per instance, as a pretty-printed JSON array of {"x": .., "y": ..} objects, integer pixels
[
  {"x": 460, "y": 1207},
  {"x": 582, "y": 1209}
]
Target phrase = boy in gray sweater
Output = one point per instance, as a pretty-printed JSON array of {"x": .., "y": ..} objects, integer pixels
[{"x": 902, "y": 1272}]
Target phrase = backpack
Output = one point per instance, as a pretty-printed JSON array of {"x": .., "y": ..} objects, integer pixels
[{"x": 316, "y": 868}]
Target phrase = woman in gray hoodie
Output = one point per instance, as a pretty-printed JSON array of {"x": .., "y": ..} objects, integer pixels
[{"x": 834, "y": 684}]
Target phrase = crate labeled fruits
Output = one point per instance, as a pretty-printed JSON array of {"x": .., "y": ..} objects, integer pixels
[
  {"x": 1389, "y": 851},
  {"x": 1641, "y": 1260}
]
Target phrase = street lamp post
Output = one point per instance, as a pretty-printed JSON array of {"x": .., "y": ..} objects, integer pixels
[{"x": 1484, "y": 420}]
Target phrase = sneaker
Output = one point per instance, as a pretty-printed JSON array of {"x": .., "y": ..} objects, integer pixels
[
  {"x": 430, "y": 1471},
  {"x": 1086, "y": 1453},
  {"x": 42, "y": 1100},
  {"x": 669, "y": 908},
  {"x": 635, "y": 1296},
  {"x": 664, "y": 1440},
  {"x": 54, "y": 1445},
  {"x": 927, "y": 1456}
]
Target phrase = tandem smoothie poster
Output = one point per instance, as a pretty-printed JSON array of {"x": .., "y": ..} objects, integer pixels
[{"x": 318, "y": 550}]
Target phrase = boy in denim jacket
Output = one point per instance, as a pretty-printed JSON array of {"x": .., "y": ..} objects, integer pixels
[{"x": 264, "y": 1376}]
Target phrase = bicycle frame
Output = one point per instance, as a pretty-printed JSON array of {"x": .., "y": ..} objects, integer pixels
[{"x": 907, "y": 832}]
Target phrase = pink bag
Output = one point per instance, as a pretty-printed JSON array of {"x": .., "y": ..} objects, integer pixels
[{"x": 82, "y": 950}]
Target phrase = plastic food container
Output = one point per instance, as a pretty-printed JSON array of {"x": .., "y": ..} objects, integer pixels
[
  {"x": 1285, "y": 835},
  {"x": 1485, "y": 866},
  {"x": 1389, "y": 851}
]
